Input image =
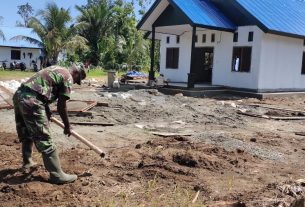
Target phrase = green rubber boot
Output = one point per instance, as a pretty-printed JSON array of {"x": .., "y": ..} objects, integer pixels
[
  {"x": 52, "y": 164},
  {"x": 27, "y": 149}
]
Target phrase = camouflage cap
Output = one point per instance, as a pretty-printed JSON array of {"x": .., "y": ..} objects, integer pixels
[{"x": 81, "y": 73}]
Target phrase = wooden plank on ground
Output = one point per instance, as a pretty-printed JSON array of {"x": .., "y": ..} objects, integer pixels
[
  {"x": 276, "y": 108},
  {"x": 170, "y": 134},
  {"x": 300, "y": 133},
  {"x": 272, "y": 117},
  {"x": 92, "y": 123}
]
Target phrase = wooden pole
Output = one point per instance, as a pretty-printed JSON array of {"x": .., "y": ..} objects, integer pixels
[
  {"x": 152, "y": 54},
  {"x": 80, "y": 138}
]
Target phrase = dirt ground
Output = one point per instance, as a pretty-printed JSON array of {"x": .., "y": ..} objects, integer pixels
[{"x": 167, "y": 151}]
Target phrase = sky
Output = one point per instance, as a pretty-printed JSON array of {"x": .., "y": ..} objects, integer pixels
[{"x": 8, "y": 9}]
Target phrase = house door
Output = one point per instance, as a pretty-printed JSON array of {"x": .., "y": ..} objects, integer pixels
[{"x": 203, "y": 65}]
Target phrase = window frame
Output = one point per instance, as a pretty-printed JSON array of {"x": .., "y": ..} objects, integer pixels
[
  {"x": 172, "y": 63},
  {"x": 235, "y": 37},
  {"x": 204, "y": 38},
  {"x": 168, "y": 39},
  {"x": 14, "y": 56},
  {"x": 250, "y": 36},
  {"x": 303, "y": 64},
  {"x": 241, "y": 61},
  {"x": 213, "y": 36}
]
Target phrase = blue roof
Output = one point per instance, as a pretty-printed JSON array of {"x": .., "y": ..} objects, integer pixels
[
  {"x": 283, "y": 16},
  {"x": 10, "y": 32},
  {"x": 204, "y": 13}
]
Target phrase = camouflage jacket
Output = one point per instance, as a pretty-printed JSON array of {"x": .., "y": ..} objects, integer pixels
[{"x": 51, "y": 83}]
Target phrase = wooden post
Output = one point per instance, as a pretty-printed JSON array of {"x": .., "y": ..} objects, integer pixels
[
  {"x": 152, "y": 54},
  {"x": 191, "y": 76}
]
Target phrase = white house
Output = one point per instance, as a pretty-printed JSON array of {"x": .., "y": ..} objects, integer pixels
[
  {"x": 254, "y": 45},
  {"x": 19, "y": 50}
]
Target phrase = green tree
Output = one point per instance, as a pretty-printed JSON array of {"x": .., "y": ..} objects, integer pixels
[
  {"x": 1, "y": 33},
  {"x": 26, "y": 12},
  {"x": 54, "y": 33},
  {"x": 95, "y": 21},
  {"x": 132, "y": 48}
]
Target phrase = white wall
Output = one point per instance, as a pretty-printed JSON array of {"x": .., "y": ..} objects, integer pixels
[
  {"x": 5, "y": 54},
  {"x": 180, "y": 74},
  {"x": 223, "y": 74},
  {"x": 281, "y": 63},
  {"x": 223, "y": 48}
]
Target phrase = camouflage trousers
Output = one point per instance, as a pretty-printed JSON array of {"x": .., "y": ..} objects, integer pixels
[{"x": 32, "y": 123}]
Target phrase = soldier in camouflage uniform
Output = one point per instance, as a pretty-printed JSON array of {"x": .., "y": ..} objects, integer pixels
[{"x": 32, "y": 115}]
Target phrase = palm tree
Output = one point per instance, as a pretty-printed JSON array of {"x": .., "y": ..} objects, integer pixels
[
  {"x": 95, "y": 22},
  {"x": 53, "y": 31},
  {"x": 2, "y": 35}
]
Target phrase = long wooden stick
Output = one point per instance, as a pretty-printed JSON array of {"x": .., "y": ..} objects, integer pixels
[{"x": 80, "y": 138}]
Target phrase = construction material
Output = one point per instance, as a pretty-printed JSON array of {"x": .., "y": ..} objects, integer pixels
[
  {"x": 169, "y": 134},
  {"x": 300, "y": 133},
  {"x": 8, "y": 101},
  {"x": 80, "y": 138},
  {"x": 272, "y": 117},
  {"x": 102, "y": 104},
  {"x": 276, "y": 108},
  {"x": 78, "y": 106},
  {"x": 92, "y": 123}
]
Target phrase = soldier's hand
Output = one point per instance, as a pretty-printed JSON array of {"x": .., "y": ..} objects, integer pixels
[{"x": 67, "y": 131}]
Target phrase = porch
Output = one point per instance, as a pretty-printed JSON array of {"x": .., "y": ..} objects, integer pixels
[{"x": 182, "y": 56}]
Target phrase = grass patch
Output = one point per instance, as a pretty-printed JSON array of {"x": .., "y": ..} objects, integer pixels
[
  {"x": 96, "y": 73},
  {"x": 9, "y": 75}
]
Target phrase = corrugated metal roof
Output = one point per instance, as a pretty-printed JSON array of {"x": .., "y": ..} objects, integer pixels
[
  {"x": 285, "y": 16},
  {"x": 10, "y": 32},
  {"x": 203, "y": 12}
]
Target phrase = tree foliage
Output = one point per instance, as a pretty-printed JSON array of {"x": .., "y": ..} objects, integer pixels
[
  {"x": 95, "y": 23},
  {"x": 1, "y": 33},
  {"x": 104, "y": 33},
  {"x": 54, "y": 32},
  {"x": 25, "y": 11},
  {"x": 110, "y": 28}
]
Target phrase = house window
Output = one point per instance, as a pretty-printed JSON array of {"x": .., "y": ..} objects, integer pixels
[
  {"x": 250, "y": 37},
  {"x": 15, "y": 54},
  {"x": 235, "y": 37},
  {"x": 172, "y": 58},
  {"x": 178, "y": 39},
  {"x": 303, "y": 64},
  {"x": 204, "y": 38},
  {"x": 241, "y": 60},
  {"x": 213, "y": 38},
  {"x": 167, "y": 40}
]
